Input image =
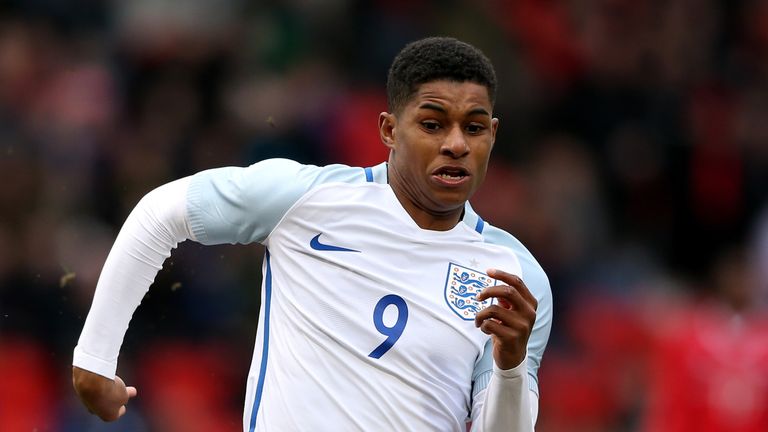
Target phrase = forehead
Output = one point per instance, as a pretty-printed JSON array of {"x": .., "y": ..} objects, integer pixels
[{"x": 460, "y": 95}]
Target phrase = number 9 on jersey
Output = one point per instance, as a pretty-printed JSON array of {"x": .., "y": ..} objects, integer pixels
[{"x": 392, "y": 333}]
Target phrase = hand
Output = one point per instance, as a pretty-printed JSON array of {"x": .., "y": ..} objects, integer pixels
[
  {"x": 509, "y": 321},
  {"x": 102, "y": 396}
]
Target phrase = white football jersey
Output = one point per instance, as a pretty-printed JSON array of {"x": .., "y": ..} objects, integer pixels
[{"x": 367, "y": 320}]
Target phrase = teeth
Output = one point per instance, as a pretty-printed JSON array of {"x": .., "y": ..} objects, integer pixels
[{"x": 450, "y": 177}]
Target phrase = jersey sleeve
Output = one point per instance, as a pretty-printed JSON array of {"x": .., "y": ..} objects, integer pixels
[
  {"x": 153, "y": 228},
  {"x": 537, "y": 282},
  {"x": 216, "y": 206},
  {"x": 507, "y": 404},
  {"x": 243, "y": 205}
]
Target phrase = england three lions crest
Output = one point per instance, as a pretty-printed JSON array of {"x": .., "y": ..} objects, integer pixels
[{"x": 462, "y": 285}]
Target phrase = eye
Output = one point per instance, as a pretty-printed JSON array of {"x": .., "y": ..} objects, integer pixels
[
  {"x": 475, "y": 128},
  {"x": 430, "y": 125}
]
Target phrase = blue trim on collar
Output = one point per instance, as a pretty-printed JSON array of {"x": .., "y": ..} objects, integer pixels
[{"x": 480, "y": 225}]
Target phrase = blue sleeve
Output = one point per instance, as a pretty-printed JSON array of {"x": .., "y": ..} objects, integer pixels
[
  {"x": 537, "y": 282},
  {"x": 243, "y": 205},
  {"x": 483, "y": 369}
]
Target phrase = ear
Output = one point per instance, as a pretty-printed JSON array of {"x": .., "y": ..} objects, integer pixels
[
  {"x": 387, "y": 129},
  {"x": 494, "y": 128}
]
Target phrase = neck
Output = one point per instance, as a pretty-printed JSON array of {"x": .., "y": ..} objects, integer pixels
[{"x": 424, "y": 217}]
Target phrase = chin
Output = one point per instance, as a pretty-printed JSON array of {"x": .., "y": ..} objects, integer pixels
[{"x": 451, "y": 202}]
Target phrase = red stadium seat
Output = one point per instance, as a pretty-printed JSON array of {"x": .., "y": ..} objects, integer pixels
[
  {"x": 27, "y": 389},
  {"x": 189, "y": 388}
]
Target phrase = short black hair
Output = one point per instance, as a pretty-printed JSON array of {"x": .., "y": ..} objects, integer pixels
[{"x": 437, "y": 58}]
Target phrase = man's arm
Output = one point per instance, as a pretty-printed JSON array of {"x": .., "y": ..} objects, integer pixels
[
  {"x": 217, "y": 206},
  {"x": 155, "y": 226},
  {"x": 507, "y": 404}
]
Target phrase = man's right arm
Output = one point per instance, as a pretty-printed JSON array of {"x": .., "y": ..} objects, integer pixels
[
  {"x": 155, "y": 226},
  {"x": 222, "y": 205}
]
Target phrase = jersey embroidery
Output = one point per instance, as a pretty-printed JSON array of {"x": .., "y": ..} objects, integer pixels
[{"x": 462, "y": 284}]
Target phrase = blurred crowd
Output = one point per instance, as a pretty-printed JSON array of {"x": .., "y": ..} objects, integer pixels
[{"x": 632, "y": 159}]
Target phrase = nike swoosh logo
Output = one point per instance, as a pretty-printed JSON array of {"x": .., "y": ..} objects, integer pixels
[{"x": 316, "y": 245}]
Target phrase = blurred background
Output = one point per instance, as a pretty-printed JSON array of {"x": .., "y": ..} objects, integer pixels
[{"x": 632, "y": 159}]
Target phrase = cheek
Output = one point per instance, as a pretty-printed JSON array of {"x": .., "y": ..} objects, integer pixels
[
  {"x": 402, "y": 154},
  {"x": 408, "y": 147},
  {"x": 481, "y": 161},
  {"x": 400, "y": 143},
  {"x": 483, "y": 155}
]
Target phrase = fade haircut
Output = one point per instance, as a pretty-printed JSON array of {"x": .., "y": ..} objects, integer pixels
[{"x": 433, "y": 59}]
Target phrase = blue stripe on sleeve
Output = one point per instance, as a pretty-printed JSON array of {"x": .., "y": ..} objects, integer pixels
[
  {"x": 369, "y": 175},
  {"x": 265, "y": 348}
]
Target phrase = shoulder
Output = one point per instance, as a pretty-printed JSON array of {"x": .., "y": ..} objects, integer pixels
[
  {"x": 491, "y": 234},
  {"x": 298, "y": 174},
  {"x": 494, "y": 235},
  {"x": 532, "y": 273},
  {"x": 242, "y": 204},
  {"x": 272, "y": 176}
]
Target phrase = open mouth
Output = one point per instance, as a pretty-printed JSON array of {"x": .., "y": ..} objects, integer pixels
[{"x": 451, "y": 174}]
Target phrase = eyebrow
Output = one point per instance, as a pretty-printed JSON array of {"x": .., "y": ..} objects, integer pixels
[{"x": 438, "y": 108}]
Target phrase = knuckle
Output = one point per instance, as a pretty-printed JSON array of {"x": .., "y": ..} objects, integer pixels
[
  {"x": 529, "y": 311},
  {"x": 533, "y": 311},
  {"x": 495, "y": 310},
  {"x": 485, "y": 327},
  {"x": 523, "y": 325}
]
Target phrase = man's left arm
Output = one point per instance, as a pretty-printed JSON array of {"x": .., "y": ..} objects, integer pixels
[{"x": 510, "y": 401}]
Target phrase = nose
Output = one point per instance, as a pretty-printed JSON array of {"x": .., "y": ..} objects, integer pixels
[{"x": 455, "y": 144}]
